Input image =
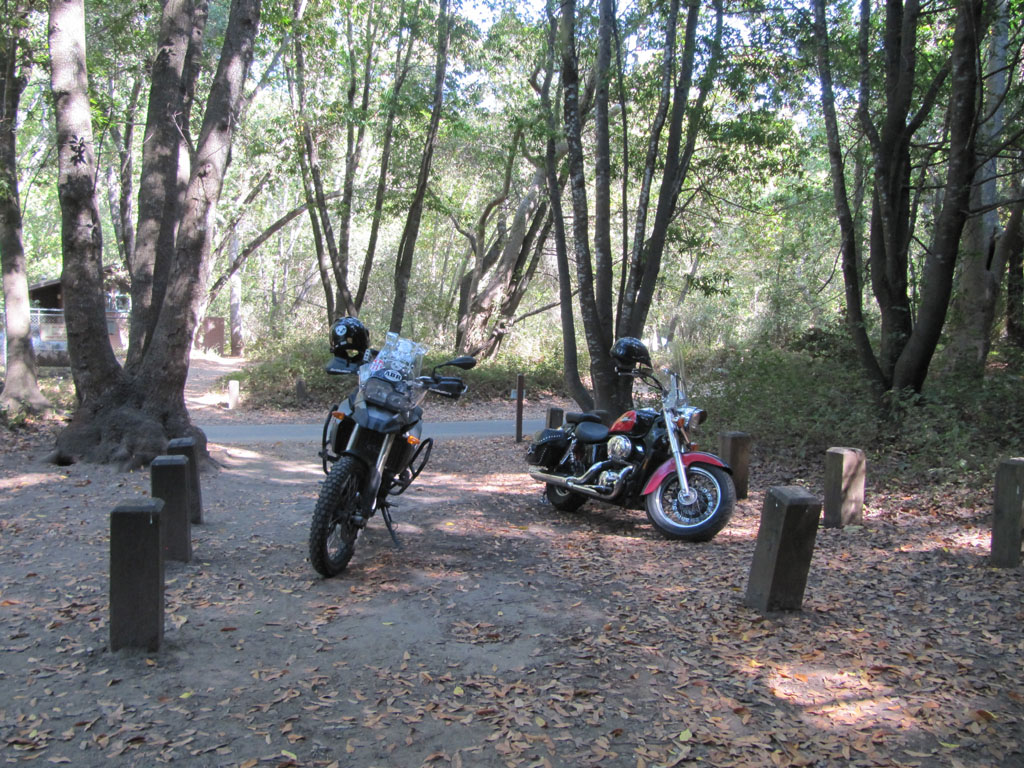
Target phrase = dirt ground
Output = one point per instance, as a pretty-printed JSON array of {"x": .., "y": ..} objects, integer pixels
[{"x": 503, "y": 633}]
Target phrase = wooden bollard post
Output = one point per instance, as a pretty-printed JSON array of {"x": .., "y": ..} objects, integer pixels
[
  {"x": 782, "y": 555},
  {"x": 1008, "y": 513},
  {"x": 186, "y": 446},
  {"x": 136, "y": 576},
  {"x": 233, "y": 394},
  {"x": 520, "y": 394},
  {"x": 169, "y": 480},
  {"x": 554, "y": 418},
  {"x": 734, "y": 449},
  {"x": 845, "y": 471}
]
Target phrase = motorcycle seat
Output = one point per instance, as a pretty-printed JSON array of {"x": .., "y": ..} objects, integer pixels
[
  {"x": 589, "y": 432},
  {"x": 579, "y": 418}
]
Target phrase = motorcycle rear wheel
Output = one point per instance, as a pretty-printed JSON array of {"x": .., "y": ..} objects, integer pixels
[
  {"x": 563, "y": 499},
  {"x": 702, "y": 520},
  {"x": 332, "y": 534}
]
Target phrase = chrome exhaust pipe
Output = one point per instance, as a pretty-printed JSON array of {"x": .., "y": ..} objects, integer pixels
[
  {"x": 578, "y": 484},
  {"x": 584, "y": 478}
]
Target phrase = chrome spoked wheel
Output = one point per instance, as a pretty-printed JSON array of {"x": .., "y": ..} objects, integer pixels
[{"x": 701, "y": 514}]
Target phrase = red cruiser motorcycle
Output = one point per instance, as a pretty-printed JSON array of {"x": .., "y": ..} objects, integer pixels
[{"x": 645, "y": 459}]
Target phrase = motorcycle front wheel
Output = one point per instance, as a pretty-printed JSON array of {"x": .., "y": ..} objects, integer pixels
[
  {"x": 332, "y": 534},
  {"x": 705, "y": 517}
]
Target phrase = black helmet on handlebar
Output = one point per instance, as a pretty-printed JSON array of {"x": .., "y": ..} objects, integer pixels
[
  {"x": 349, "y": 339},
  {"x": 629, "y": 352}
]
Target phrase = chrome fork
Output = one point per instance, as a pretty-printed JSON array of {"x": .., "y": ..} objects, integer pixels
[{"x": 687, "y": 495}]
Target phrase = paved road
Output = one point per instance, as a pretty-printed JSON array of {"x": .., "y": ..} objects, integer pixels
[{"x": 273, "y": 433}]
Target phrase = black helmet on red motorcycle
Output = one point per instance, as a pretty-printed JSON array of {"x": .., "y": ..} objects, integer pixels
[
  {"x": 629, "y": 352},
  {"x": 349, "y": 339}
]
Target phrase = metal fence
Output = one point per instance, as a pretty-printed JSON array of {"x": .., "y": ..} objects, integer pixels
[{"x": 50, "y": 336}]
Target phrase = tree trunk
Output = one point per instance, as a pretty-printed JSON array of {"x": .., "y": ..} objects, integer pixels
[
  {"x": 632, "y": 270},
  {"x": 1014, "y": 245},
  {"x": 940, "y": 263},
  {"x": 407, "y": 245},
  {"x": 503, "y": 318},
  {"x": 402, "y": 64},
  {"x": 237, "y": 334},
  {"x": 488, "y": 319},
  {"x": 573, "y": 383},
  {"x": 981, "y": 269},
  {"x": 475, "y": 307},
  {"x": 679, "y": 152},
  {"x": 354, "y": 147},
  {"x": 124, "y": 219},
  {"x": 603, "y": 272},
  {"x": 323, "y": 230},
  {"x": 93, "y": 365},
  {"x": 849, "y": 235},
  {"x": 21, "y": 387},
  {"x": 158, "y": 183},
  {"x": 599, "y": 338},
  {"x": 906, "y": 345},
  {"x": 129, "y": 419}
]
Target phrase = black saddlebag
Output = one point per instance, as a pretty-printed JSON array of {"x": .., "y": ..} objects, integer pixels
[{"x": 547, "y": 448}]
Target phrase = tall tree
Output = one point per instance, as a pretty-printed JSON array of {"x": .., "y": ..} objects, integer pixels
[
  {"x": 983, "y": 257},
  {"x": 906, "y": 344},
  {"x": 549, "y": 108},
  {"x": 403, "y": 54},
  {"x": 158, "y": 184},
  {"x": 127, "y": 415},
  {"x": 407, "y": 244},
  {"x": 93, "y": 365},
  {"x": 21, "y": 387},
  {"x": 681, "y": 106}
]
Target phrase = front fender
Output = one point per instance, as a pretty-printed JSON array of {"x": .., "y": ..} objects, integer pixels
[{"x": 669, "y": 467}]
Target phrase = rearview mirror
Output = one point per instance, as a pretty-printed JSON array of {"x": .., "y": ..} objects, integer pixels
[{"x": 464, "y": 362}]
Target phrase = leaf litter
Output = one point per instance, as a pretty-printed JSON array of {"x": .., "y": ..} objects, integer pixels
[{"x": 503, "y": 633}]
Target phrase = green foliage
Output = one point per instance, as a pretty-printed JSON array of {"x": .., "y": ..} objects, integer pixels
[
  {"x": 786, "y": 399},
  {"x": 271, "y": 381},
  {"x": 797, "y": 403}
]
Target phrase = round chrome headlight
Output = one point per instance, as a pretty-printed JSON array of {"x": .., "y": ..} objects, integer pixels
[{"x": 619, "y": 447}]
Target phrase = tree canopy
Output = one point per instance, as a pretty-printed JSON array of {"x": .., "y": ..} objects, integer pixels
[{"x": 547, "y": 177}]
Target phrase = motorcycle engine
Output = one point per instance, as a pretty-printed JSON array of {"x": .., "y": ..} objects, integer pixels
[{"x": 609, "y": 478}]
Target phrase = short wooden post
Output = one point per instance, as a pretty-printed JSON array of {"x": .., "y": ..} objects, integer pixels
[
  {"x": 734, "y": 450},
  {"x": 554, "y": 418},
  {"x": 301, "y": 391},
  {"x": 785, "y": 545},
  {"x": 136, "y": 576},
  {"x": 520, "y": 394},
  {"x": 233, "y": 394},
  {"x": 169, "y": 480},
  {"x": 845, "y": 471},
  {"x": 186, "y": 446},
  {"x": 1008, "y": 513}
]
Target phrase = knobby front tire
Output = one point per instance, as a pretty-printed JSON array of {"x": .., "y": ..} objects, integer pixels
[
  {"x": 702, "y": 520},
  {"x": 332, "y": 534}
]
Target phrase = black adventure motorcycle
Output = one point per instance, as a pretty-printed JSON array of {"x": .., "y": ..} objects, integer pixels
[
  {"x": 372, "y": 446},
  {"x": 645, "y": 459}
]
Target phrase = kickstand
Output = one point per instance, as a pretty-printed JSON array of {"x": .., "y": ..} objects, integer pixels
[{"x": 385, "y": 512}]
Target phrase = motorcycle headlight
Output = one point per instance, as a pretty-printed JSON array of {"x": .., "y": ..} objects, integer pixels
[
  {"x": 690, "y": 417},
  {"x": 377, "y": 391},
  {"x": 619, "y": 447}
]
